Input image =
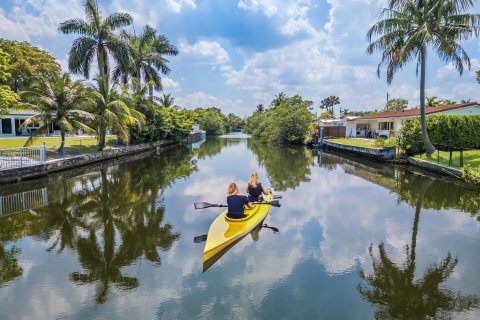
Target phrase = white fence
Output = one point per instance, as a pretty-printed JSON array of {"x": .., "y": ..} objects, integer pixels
[
  {"x": 23, "y": 201},
  {"x": 21, "y": 157}
]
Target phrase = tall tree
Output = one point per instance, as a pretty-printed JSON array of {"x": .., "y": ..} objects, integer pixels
[
  {"x": 112, "y": 112},
  {"x": 396, "y": 105},
  {"x": 7, "y": 97},
  {"x": 278, "y": 99},
  {"x": 167, "y": 100},
  {"x": 147, "y": 52},
  {"x": 329, "y": 102},
  {"x": 97, "y": 38},
  {"x": 407, "y": 28},
  {"x": 58, "y": 101},
  {"x": 25, "y": 64}
]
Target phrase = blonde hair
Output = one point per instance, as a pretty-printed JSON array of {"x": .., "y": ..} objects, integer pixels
[
  {"x": 232, "y": 188},
  {"x": 253, "y": 181}
]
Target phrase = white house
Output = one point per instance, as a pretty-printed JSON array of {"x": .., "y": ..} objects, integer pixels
[
  {"x": 10, "y": 124},
  {"x": 386, "y": 123}
]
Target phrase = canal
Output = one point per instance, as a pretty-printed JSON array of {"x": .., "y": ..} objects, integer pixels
[{"x": 357, "y": 240}]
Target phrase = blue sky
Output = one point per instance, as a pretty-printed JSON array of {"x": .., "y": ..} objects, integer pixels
[{"x": 235, "y": 54}]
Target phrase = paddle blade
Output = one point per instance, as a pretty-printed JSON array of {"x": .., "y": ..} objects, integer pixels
[
  {"x": 202, "y": 205},
  {"x": 277, "y": 196},
  {"x": 199, "y": 239},
  {"x": 275, "y": 203}
]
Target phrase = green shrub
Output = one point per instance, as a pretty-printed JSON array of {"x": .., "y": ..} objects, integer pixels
[
  {"x": 471, "y": 175},
  {"x": 287, "y": 123},
  {"x": 445, "y": 132},
  {"x": 379, "y": 142}
]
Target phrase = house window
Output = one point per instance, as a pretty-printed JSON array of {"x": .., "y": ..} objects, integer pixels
[
  {"x": 7, "y": 126},
  {"x": 385, "y": 126}
]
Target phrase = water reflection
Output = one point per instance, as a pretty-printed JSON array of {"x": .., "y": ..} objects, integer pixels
[
  {"x": 392, "y": 287},
  {"x": 111, "y": 218},
  {"x": 287, "y": 166}
]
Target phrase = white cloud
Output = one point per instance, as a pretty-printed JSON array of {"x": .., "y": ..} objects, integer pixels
[
  {"x": 201, "y": 99},
  {"x": 170, "y": 84},
  {"x": 37, "y": 18},
  {"x": 177, "y": 5},
  {"x": 206, "y": 51}
]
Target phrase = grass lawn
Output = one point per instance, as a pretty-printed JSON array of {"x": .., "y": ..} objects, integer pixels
[
  {"x": 471, "y": 157},
  {"x": 355, "y": 142},
  {"x": 72, "y": 144}
]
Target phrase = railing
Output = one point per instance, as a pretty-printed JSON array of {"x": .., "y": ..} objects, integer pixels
[
  {"x": 21, "y": 157},
  {"x": 23, "y": 201}
]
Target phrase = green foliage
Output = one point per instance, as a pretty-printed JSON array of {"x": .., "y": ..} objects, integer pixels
[
  {"x": 26, "y": 64},
  {"x": 382, "y": 142},
  {"x": 97, "y": 39},
  {"x": 327, "y": 115},
  {"x": 396, "y": 105},
  {"x": 329, "y": 102},
  {"x": 212, "y": 120},
  {"x": 286, "y": 123},
  {"x": 234, "y": 121},
  {"x": 444, "y": 130},
  {"x": 8, "y": 98},
  {"x": 471, "y": 175},
  {"x": 59, "y": 101}
]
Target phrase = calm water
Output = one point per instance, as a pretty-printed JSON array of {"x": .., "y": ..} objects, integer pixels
[{"x": 357, "y": 240}]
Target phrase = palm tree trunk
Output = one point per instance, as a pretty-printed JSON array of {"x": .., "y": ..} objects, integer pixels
[
  {"x": 150, "y": 92},
  {"x": 426, "y": 141},
  {"x": 101, "y": 61},
  {"x": 62, "y": 144},
  {"x": 101, "y": 137}
]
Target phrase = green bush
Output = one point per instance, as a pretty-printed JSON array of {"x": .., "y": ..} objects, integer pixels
[
  {"x": 287, "y": 123},
  {"x": 471, "y": 175},
  {"x": 379, "y": 142},
  {"x": 445, "y": 132}
]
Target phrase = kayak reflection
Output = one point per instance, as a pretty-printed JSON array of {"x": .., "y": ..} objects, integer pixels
[{"x": 255, "y": 234}]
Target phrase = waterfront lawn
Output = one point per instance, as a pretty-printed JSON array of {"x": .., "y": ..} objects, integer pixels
[
  {"x": 471, "y": 157},
  {"x": 355, "y": 142},
  {"x": 72, "y": 144}
]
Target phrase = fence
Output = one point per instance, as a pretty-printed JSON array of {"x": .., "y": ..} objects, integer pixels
[
  {"x": 335, "y": 132},
  {"x": 23, "y": 201},
  {"x": 22, "y": 157}
]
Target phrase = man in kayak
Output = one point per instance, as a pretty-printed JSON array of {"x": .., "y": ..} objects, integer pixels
[
  {"x": 236, "y": 202},
  {"x": 255, "y": 188}
]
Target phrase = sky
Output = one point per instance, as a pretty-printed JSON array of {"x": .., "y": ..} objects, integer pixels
[{"x": 236, "y": 54}]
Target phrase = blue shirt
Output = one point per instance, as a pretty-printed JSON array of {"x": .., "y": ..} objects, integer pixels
[{"x": 235, "y": 206}]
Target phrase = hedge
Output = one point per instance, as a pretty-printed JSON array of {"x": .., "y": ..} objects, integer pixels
[{"x": 445, "y": 131}]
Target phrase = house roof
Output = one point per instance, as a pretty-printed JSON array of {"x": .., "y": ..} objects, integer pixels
[{"x": 415, "y": 112}]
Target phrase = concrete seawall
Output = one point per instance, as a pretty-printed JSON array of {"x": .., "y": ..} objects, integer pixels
[
  {"x": 36, "y": 171},
  {"x": 380, "y": 154}
]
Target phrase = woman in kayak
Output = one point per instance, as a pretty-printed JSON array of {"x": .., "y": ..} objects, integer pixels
[
  {"x": 236, "y": 202},
  {"x": 255, "y": 188}
]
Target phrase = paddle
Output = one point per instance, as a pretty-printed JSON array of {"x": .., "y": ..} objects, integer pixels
[
  {"x": 203, "y": 237},
  {"x": 204, "y": 205}
]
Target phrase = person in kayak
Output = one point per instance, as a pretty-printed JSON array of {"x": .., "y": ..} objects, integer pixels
[
  {"x": 236, "y": 202},
  {"x": 255, "y": 188}
]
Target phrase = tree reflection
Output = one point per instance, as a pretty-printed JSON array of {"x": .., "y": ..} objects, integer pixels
[
  {"x": 9, "y": 267},
  {"x": 210, "y": 147},
  {"x": 398, "y": 295},
  {"x": 287, "y": 166}
]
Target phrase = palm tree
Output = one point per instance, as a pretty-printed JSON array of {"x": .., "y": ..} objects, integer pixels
[
  {"x": 167, "y": 101},
  {"x": 394, "y": 289},
  {"x": 329, "y": 102},
  {"x": 408, "y": 27},
  {"x": 112, "y": 112},
  {"x": 58, "y": 101},
  {"x": 277, "y": 100},
  {"x": 147, "y": 53},
  {"x": 97, "y": 38},
  {"x": 431, "y": 102}
]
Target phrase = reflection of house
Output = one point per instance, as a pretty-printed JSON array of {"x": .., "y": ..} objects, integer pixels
[{"x": 386, "y": 123}]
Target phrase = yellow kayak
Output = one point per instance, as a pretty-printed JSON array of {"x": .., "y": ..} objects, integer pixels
[{"x": 225, "y": 232}]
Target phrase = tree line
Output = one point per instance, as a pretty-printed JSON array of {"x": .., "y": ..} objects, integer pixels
[{"x": 120, "y": 97}]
